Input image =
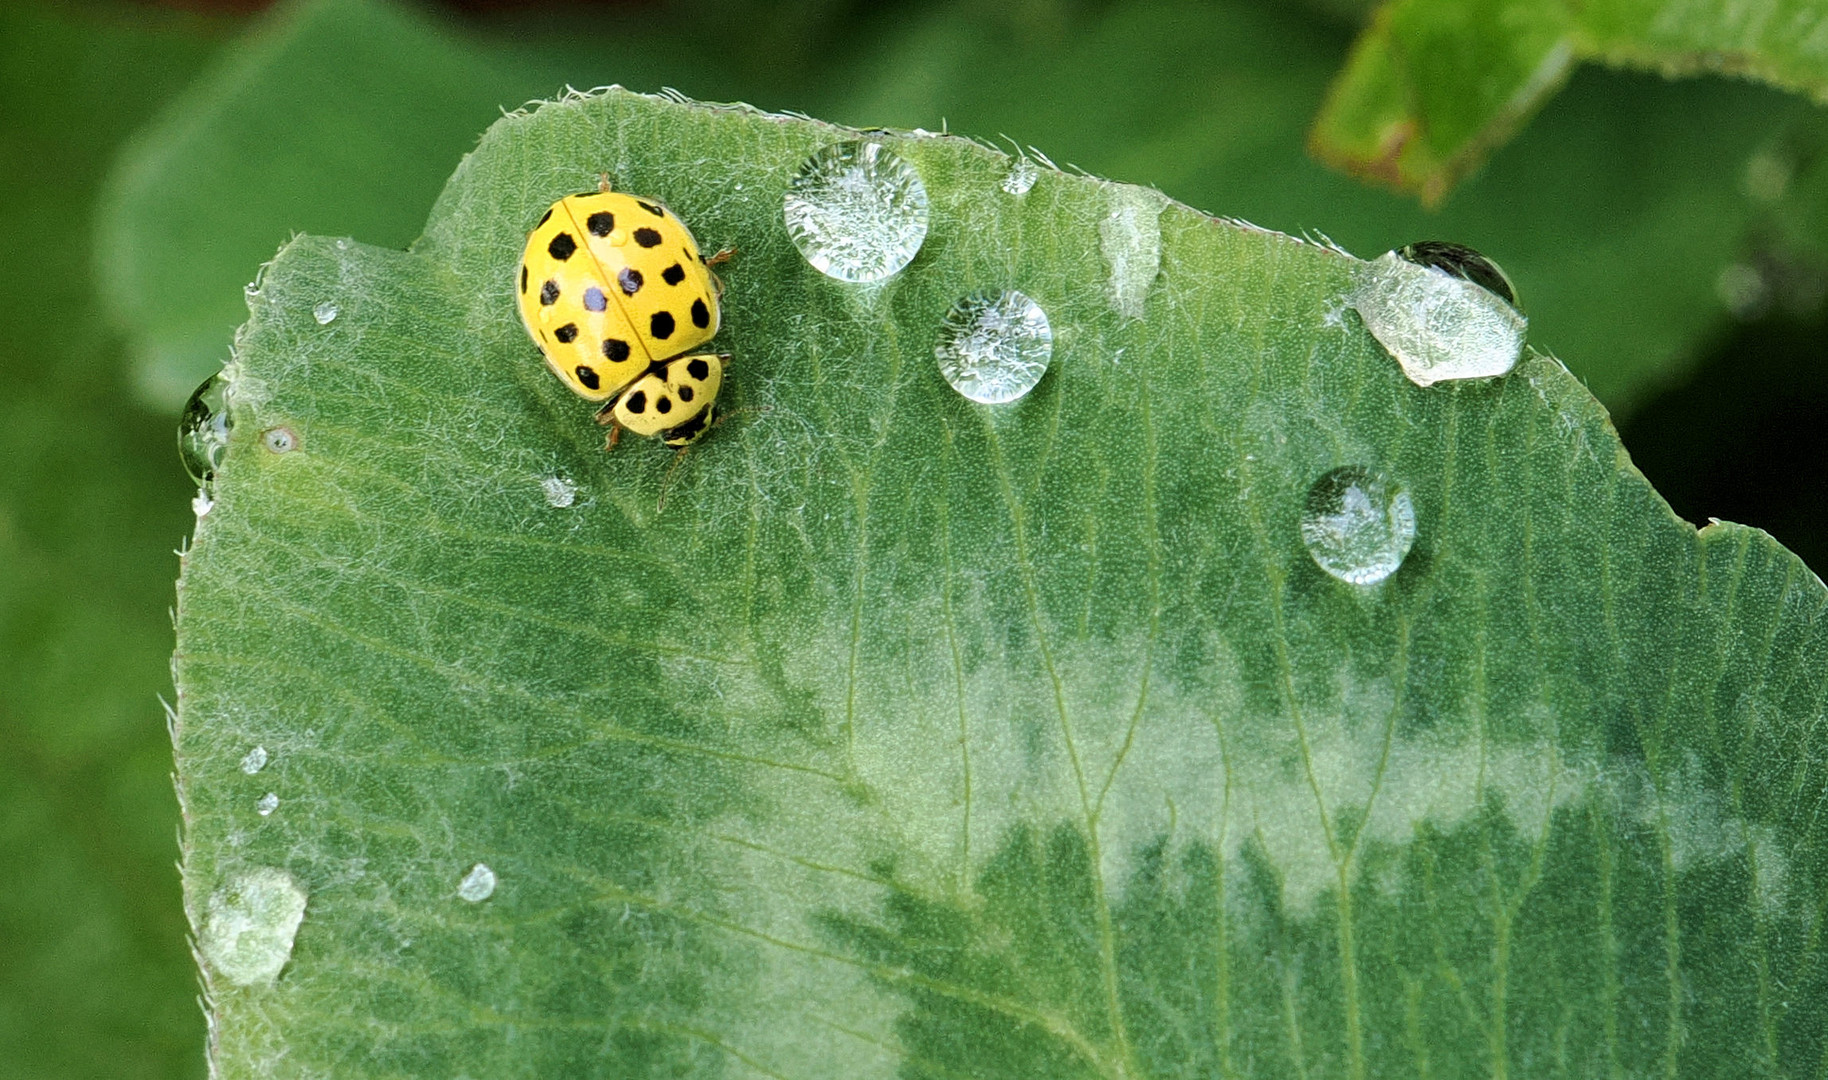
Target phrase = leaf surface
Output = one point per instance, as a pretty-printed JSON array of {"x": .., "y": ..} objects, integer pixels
[{"x": 918, "y": 738}]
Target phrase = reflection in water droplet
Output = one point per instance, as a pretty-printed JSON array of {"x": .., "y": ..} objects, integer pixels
[
  {"x": 477, "y": 885},
  {"x": 1023, "y": 173},
  {"x": 1464, "y": 263},
  {"x": 249, "y": 925},
  {"x": 280, "y": 440},
  {"x": 857, "y": 211},
  {"x": 325, "y": 313},
  {"x": 203, "y": 430},
  {"x": 1358, "y": 524},
  {"x": 1438, "y": 325},
  {"x": 994, "y": 348},
  {"x": 255, "y": 760},
  {"x": 560, "y": 492}
]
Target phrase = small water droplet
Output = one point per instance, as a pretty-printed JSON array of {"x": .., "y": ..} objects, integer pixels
[
  {"x": 857, "y": 211},
  {"x": 560, "y": 492},
  {"x": 280, "y": 440},
  {"x": 994, "y": 348},
  {"x": 255, "y": 760},
  {"x": 477, "y": 885},
  {"x": 325, "y": 313},
  {"x": 1023, "y": 173},
  {"x": 249, "y": 925},
  {"x": 202, "y": 503},
  {"x": 203, "y": 430},
  {"x": 267, "y": 804},
  {"x": 1358, "y": 524}
]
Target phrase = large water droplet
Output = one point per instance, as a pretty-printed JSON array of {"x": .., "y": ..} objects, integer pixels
[
  {"x": 249, "y": 925},
  {"x": 203, "y": 430},
  {"x": 1439, "y": 323},
  {"x": 1358, "y": 524},
  {"x": 325, "y": 313},
  {"x": 254, "y": 761},
  {"x": 994, "y": 348},
  {"x": 477, "y": 885},
  {"x": 857, "y": 211}
]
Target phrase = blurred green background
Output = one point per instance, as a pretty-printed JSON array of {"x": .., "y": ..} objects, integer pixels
[{"x": 1669, "y": 240}]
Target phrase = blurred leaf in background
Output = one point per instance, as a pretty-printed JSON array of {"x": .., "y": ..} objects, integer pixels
[{"x": 95, "y": 976}]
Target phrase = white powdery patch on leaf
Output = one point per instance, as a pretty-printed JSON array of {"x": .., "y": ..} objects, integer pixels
[
  {"x": 249, "y": 925},
  {"x": 1131, "y": 238},
  {"x": 1437, "y": 326}
]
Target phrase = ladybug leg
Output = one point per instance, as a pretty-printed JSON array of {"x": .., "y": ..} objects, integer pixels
[
  {"x": 603, "y": 183},
  {"x": 721, "y": 257},
  {"x": 605, "y": 416}
]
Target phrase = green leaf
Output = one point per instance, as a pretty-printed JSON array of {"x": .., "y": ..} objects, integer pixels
[
  {"x": 1432, "y": 86},
  {"x": 95, "y": 978},
  {"x": 918, "y": 738}
]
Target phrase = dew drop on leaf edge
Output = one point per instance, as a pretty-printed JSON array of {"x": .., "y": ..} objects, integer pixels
[
  {"x": 249, "y": 925},
  {"x": 857, "y": 211},
  {"x": 477, "y": 885},
  {"x": 203, "y": 430},
  {"x": 1437, "y": 324},
  {"x": 994, "y": 347},
  {"x": 1358, "y": 524},
  {"x": 1023, "y": 173}
]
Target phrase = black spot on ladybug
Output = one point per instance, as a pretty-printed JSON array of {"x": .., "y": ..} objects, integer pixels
[
  {"x": 698, "y": 369},
  {"x": 615, "y": 350},
  {"x": 630, "y": 279},
  {"x": 661, "y": 325},
  {"x": 689, "y": 430},
  {"x": 545, "y": 217},
  {"x": 567, "y": 333},
  {"x": 587, "y": 375},
  {"x": 650, "y": 208},
  {"x": 549, "y": 293},
  {"x": 672, "y": 275},
  {"x": 523, "y": 277},
  {"x": 701, "y": 315},
  {"x": 636, "y": 402},
  {"x": 647, "y": 238},
  {"x": 562, "y": 246},
  {"x": 594, "y": 300},
  {"x": 600, "y": 223},
  {"x": 685, "y": 393},
  {"x": 664, "y": 404}
]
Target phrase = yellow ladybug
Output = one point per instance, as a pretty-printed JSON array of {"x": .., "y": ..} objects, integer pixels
[{"x": 614, "y": 292}]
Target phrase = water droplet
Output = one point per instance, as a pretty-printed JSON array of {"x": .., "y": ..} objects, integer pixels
[
  {"x": 325, "y": 313},
  {"x": 1438, "y": 324},
  {"x": 255, "y": 760},
  {"x": 249, "y": 925},
  {"x": 857, "y": 211},
  {"x": 267, "y": 804},
  {"x": 1023, "y": 173},
  {"x": 203, "y": 430},
  {"x": 280, "y": 440},
  {"x": 560, "y": 492},
  {"x": 201, "y": 504},
  {"x": 1358, "y": 524},
  {"x": 477, "y": 885},
  {"x": 994, "y": 348}
]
